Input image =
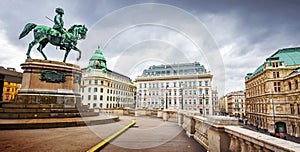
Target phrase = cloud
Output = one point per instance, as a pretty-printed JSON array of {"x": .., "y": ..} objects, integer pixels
[{"x": 245, "y": 46}]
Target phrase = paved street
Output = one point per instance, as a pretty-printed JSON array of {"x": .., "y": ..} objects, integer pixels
[
  {"x": 288, "y": 137},
  {"x": 149, "y": 134}
]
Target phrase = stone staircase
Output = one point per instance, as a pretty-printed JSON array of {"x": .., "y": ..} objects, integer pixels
[{"x": 28, "y": 111}]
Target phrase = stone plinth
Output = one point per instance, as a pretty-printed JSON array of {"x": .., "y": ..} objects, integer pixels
[
  {"x": 49, "y": 82},
  {"x": 50, "y": 89}
]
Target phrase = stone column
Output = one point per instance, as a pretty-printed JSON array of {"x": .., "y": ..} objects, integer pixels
[
  {"x": 234, "y": 144},
  {"x": 244, "y": 147},
  {"x": 250, "y": 147},
  {"x": 265, "y": 150},
  {"x": 297, "y": 130},
  {"x": 180, "y": 119},
  {"x": 258, "y": 148}
]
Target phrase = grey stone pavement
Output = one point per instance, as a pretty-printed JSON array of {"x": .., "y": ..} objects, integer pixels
[{"x": 148, "y": 135}]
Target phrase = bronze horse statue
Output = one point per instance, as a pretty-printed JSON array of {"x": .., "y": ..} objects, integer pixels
[{"x": 44, "y": 34}]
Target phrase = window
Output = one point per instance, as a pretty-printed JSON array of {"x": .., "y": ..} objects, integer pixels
[
  {"x": 90, "y": 81},
  {"x": 95, "y": 89},
  {"x": 290, "y": 85},
  {"x": 276, "y": 74},
  {"x": 206, "y": 83},
  {"x": 174, "y": 84},
  {"x": 145, "y": 85},
  {"x": 296, "y": 84},
  {"x": 200, "y": 83},
  {"x": 274, "y": 64},
  {"x": 292, "y": 109},
  {"x": 277, "y": 86},
  {"x": 200, "y": 92},
  {"x": 194, "y": 83},
  {"x": 101, "y": 97},
  {"x": 206, "y": 91},
  {"x": 107, "y": 90},
  {"x": 89, "y": 89},
  {"x": 96, "y": 82},
  {"x": 94, "y": 105},
  {"x": 89, "y": 97},
  {"x": 101, "y": 90},
  {"x": 102, "y": 83},
  {"x": 95, "y": 97}
]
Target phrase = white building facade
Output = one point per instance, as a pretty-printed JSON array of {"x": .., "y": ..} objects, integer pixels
[
  {"x": 104, "y": 88},
  {"x": 184, "y": 86}
]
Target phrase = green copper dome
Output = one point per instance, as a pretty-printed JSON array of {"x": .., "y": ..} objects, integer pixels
[
  {"x": 97, "y": 61},
  {"x": 98, "y": 55}
]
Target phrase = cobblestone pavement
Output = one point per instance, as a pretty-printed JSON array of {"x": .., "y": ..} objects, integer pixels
[{"x": 146, "y": 132}]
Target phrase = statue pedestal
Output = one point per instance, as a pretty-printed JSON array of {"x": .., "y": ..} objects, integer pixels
[
  {"x": 49, "y": 89},
  {"x": 49, "y": 82}
]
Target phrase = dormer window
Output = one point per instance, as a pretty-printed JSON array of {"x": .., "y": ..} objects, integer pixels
[{"x": 274, "y": 64}]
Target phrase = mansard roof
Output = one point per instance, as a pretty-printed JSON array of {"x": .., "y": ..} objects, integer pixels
[{"x": 288, "y": 56}]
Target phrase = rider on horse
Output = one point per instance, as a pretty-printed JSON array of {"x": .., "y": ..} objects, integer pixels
[{"x": 59, "y": 26}]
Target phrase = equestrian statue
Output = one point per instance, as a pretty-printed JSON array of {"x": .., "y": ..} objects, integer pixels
[{"x": 57, "y": 36}]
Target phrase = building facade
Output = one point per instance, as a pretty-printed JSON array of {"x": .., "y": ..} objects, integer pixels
[
  {"x": 104, "y": 88},
  {"x": 273, "y": 94},
  {"x": 223, "y": 109},
  {"x": 10, "y": 82},
  {"x": 215, "y": 103},
  {"x": 184, "y": 86},
  {"x": 236, "y": 104}
]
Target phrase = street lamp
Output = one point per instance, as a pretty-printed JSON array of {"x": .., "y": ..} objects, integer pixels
[
  {"x": 203, "y": 111},
  {"x": 273, "y": 109},
  {"x": 167, "y": 86},
  {"x": 181, "y": 91}
]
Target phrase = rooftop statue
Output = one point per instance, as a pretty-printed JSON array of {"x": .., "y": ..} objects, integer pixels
[{"x": 57, "y": 36}]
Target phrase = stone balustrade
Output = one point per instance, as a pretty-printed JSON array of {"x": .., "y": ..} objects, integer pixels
[
  {"x": 223, "y": 134},
  {"x": 245, "y": 140}
]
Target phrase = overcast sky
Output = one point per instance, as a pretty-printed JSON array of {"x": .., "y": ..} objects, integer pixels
[{"x": 230, "y": 37}]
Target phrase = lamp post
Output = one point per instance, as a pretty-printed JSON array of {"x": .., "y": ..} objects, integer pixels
[
  {"x": 273, "y": 115},
  {"x": 273, "y": 109},
  {"x": 181, "y": 91},
  {"x": 203, "y": 102},
  {"x": 167, "y": 86}
]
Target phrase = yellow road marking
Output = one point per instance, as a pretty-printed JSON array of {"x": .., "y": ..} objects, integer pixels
[{"x": 111, "y": 137}]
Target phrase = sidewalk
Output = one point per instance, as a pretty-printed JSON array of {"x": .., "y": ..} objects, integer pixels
[{"x": 288, "y": 137}]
